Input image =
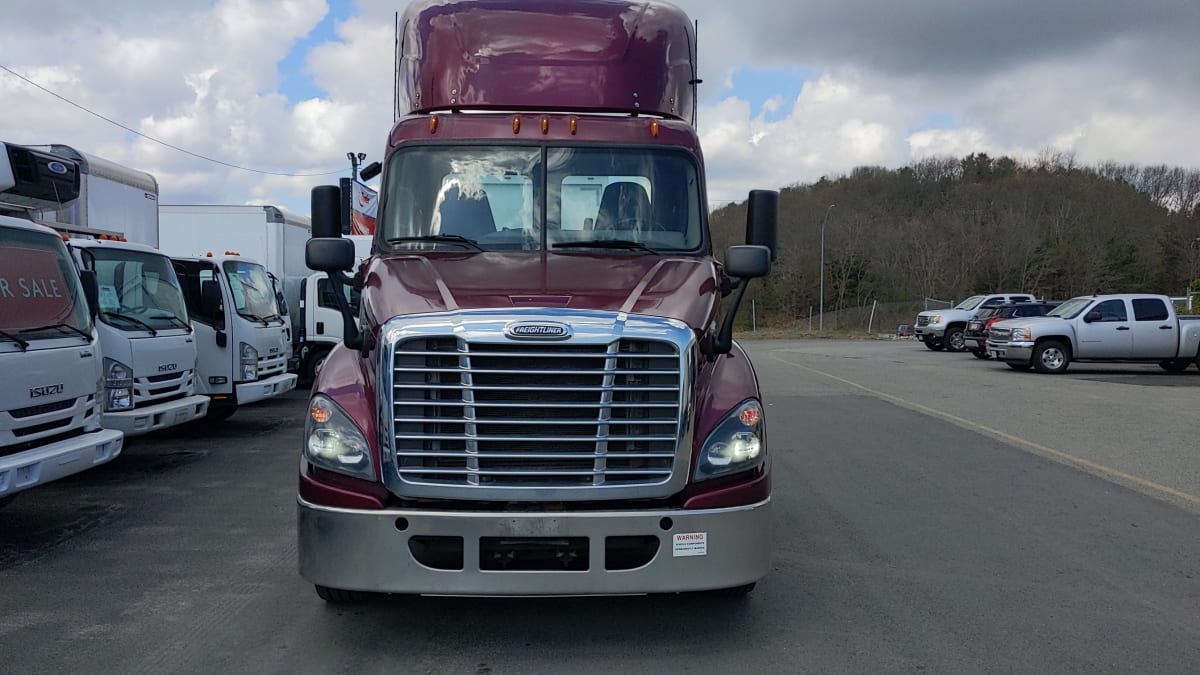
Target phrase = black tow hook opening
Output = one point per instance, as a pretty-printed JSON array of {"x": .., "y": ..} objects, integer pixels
[
  {"x": 533, "y": 554},
  {"x": 439, "y": 553},
  {"x": 629, "y": 553}
]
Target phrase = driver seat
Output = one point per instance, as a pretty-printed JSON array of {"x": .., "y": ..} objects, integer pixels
[{"x": 623, "y": 206}]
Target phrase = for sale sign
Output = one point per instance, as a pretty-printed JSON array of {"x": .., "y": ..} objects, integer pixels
[{"x": 33, "y": 290}]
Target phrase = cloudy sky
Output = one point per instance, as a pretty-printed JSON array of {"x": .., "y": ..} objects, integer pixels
[{"x": 794, "y": 89}]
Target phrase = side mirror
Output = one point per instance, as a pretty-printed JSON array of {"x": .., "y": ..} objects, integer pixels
[
  {"x": 282, "y": 302},
  {"x": 762, "y": 219},
  {"x": 329, "y": 254},
  {"x": 747, "y": 262},
  {"x": 91, "y": 291},
  {"x": 326, "y": 214},
  {"x": 1092, "y": 317},
  {"x": 210, "y": 298},
  {"x": 370, "y": 171}
]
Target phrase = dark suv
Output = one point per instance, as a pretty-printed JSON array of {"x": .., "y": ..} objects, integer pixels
[{"x": 977, "y": 328}]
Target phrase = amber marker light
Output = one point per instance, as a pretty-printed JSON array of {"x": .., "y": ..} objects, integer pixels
[
  {"x": 433, "y": 124},
  {"x": 654, "y": 128},
  {"x": 320, "y": 412},
  {"x": 574, "y": 126},
  {"x": 516, "y": 125},
  {"x": 545, "y": 125},
  {"x": 750, "y": 416}
]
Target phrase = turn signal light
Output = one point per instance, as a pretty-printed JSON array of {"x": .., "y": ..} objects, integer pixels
[
  {"x": 516, "y": 125},
  {"x": 654, "y": 128},
  {"x": 433, "y": 124},
  {"x": 750, "y": 416},
  {"x": 320, "y": 412}
]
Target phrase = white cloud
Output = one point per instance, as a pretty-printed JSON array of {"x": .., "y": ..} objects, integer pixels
[{"x": 1117, "y": 82}]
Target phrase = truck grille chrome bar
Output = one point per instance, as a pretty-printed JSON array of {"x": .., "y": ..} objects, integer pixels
[{"x": 487, "y": 414}]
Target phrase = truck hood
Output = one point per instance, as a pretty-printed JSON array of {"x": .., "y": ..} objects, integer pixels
[
  {"x": 680, "y": 288},
  {"x": 1025, "y": 322}
]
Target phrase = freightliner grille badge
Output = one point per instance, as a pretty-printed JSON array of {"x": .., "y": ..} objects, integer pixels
[{"x": 540, "y": 330}]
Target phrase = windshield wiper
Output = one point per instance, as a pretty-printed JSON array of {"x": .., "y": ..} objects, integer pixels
[
  {"x": 274, "y": 317},
  {"x": 440, "y": 239},
  {"x": 130, "y": 319},
  {"x": 170, "y": 317},
  {"x": 60, "y": 326},
  {"x": 255, "y": 317},
  {"x": 624, "y": 244},
  {"x": 23, "y": 344}
]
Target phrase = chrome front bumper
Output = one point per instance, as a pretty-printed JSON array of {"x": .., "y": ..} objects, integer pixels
[
  {"x": 253, "y": 392},
  {"x": 367, "y": 550},
  {"x": 1021, "y": 352},
  {"x": 155, "y": 417}
]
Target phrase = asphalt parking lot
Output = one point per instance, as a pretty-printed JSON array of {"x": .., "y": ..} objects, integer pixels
[{"x": 933, "y": 513}]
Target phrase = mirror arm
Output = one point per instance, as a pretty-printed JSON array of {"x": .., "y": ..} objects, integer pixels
[
  {"x": 351, "y": 335},
  {"x": 722, "y": 342}
]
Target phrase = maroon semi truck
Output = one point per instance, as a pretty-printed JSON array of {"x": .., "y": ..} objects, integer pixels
[{"x": 539, "y": 393}]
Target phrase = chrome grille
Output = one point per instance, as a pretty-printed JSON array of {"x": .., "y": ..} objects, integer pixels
[
  {"x": 999, "y": 334},
  {"x": 922, "y": 320},
  {"x": 536, "y": 414}
]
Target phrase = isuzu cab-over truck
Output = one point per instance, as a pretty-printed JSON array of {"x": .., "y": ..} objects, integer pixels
[
  {"x": 539, "y": 394},
  {"x": 50, "y": 357}
]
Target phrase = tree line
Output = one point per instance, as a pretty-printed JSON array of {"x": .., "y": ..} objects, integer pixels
[{"x": 952, "y": 227}]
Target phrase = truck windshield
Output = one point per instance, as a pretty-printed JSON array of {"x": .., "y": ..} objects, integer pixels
[
  {"x": 40, "y": 293},
  {"x": 1071, "y": 308},
  {"x": 138, "y": 290},
  {"x": 471, "y": 198},
  {"x": 971, "y": 302},
  {"x": 253, "y": 294}
]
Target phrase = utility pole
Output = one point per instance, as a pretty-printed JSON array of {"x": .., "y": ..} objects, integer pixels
[{"x": 821, "y": 320}]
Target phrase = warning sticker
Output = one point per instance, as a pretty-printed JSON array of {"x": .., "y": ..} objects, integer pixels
[{"x": 689, "y": 544}]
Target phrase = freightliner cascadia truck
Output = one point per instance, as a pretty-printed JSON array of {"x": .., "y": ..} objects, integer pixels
[{"x": 539, "y": 393}]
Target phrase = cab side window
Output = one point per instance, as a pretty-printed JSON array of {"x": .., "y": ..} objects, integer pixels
[
  {"x": 1150, "y": 309},
  {"x": 1112, "y": 310}
]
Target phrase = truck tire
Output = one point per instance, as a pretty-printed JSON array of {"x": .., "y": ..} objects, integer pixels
[
  {"x": 337, "y": 596},
  {"x": 1175, "y": 365},
  {"x": 1051, "y": 356},
  {"x": 981, "y": 354},
  {"x": 955, "y": 339},
  {"x": 935, "y": 345}
]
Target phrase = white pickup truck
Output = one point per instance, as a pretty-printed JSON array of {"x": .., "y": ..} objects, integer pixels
[
  {"x": 1125, "y": 327},
  {"x": 940, "y": 329}
]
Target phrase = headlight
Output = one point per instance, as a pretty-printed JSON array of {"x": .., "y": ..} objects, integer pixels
[
  {"x": 1019, "y": 335},
  {"x": 937, "y": 318},
  {"x": 736, "y": 444},
  {"x": 332, "y": 441},
  {"x": 249, "y": 362},
  {"x": 118, "y": 386}
]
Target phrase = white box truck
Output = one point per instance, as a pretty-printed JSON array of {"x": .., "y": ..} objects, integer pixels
[
  {"x": 145, "y": 336},
  {"x": 49, "y": 350},
  {"x": 276, "y": 238}
]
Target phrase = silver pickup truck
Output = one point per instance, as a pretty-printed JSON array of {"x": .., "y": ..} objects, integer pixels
[{"x": 1126, "y": 327}]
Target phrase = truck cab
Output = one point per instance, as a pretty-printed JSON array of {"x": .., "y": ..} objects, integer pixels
[
  {"x": 242, "y": 337},
  {"x": 50, "y": 405},
  {"x": 146, "y": 338},
  {"x": 539, "y": 393}
]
